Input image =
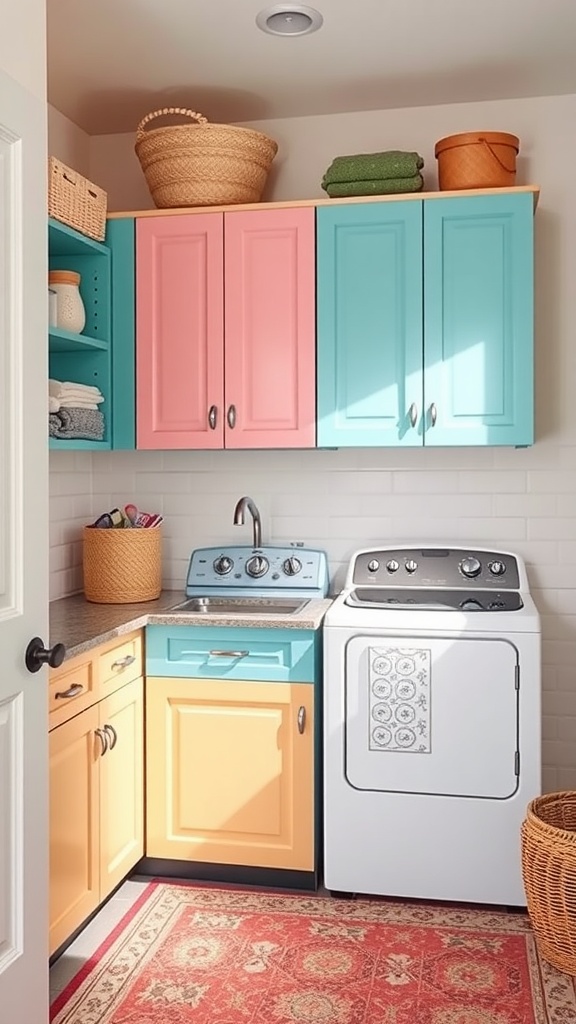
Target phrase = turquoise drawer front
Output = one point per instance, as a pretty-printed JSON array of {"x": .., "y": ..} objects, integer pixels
[{"x": 270, "y": 655}]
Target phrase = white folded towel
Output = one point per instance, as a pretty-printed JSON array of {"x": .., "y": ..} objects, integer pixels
[
  {"x": 60, "y": 389},
  {"x": 77, "y": 403},
  {"x": 53, "y": 404}
]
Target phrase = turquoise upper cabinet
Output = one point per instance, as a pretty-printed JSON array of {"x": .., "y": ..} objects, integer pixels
[
  {"x": 120, "y": 237},
  {"x": 425, "y": 322},
  {"x": 478, "y": 320},
  {"x": 369, "y": 302}
]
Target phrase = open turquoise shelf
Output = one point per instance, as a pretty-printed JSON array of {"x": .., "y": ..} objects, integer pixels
[{"x": 67, "y": 341}]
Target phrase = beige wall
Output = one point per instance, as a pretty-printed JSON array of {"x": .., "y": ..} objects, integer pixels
[
  {"x": 23, "y": 43},
  {"x": 68, "y": 142}
]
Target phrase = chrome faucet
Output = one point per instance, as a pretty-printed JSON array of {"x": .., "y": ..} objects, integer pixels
[{"x": 242, "y": 505}]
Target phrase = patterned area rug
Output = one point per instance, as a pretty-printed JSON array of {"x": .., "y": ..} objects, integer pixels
[{"x": 198, "y": 955}]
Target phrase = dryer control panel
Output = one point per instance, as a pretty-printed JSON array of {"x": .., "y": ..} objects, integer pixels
[{"x": 465, "y": 568}]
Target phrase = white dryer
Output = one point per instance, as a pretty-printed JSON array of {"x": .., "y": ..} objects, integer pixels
[{"x": 432, "y": 724}]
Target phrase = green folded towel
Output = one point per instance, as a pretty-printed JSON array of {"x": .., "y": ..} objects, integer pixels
[
  {"x": 373, "y": 166},
  {"x": 388, "y": 186}
]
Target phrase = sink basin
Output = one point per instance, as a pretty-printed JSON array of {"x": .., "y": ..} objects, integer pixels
[{"x": 241, "y": 605}]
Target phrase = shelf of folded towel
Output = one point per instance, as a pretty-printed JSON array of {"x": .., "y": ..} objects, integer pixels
[{"x": 75, "y": 414}]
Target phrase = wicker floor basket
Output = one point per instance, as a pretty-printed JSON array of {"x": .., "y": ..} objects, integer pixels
[
  {"x": 477, "y": 160},
  {"x": 549, "y": 872},
  {"x": 75, "y": 201},
  {"x": 122, "y": 566},
  {"x": 203, "y": 164}
]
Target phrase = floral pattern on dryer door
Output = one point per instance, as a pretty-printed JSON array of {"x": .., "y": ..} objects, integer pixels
[{"x": 399, "y": 704}]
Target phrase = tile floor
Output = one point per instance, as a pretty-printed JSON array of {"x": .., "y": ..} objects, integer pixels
[{"x": 67, "y": 965}]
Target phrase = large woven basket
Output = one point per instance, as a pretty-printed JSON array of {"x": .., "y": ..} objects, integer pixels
[
  {"x": 203, "y": 164},
  {"x": 549, "y": 873},
  {"x": 477, "y": 160},
  {"x": 122, "y": 566},
  {"x": 76, "y": 201}
]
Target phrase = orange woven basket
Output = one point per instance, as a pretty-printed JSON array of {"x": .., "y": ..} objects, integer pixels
[
  {"x": 549, "y": 873},
  {"x": 202, "y": 164},
  {"x": 477, "y": 160},
  {"x": 122, "y": 566}
]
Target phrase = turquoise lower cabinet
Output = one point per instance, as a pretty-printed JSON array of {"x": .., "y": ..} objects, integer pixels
[
  {"x": 425, "y": 321},
  {"x": 120, "y": 237},
  {"x": 478, "y": 320}
]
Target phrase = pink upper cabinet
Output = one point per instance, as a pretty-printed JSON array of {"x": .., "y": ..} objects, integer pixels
[
  {"x": 226, "y": 330},
  {"x": 179, "y": 330},
  {"x": 269, "y": 336}
]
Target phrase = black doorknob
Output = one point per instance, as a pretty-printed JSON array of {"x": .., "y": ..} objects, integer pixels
[{"x": 38, "y": 655}]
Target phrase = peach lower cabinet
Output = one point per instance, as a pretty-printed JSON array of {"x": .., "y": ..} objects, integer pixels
[
  {"x": 231, "y": 731},
  {"x": 96, "y": 779}
]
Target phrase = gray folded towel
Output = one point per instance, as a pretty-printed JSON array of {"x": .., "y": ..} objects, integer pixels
[{"x": 86, "y": 424}]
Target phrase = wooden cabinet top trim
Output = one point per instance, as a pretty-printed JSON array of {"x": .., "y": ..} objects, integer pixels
[{"x": 402, "y": 196}]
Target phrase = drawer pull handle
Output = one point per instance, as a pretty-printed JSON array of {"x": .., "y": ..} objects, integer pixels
[
  {"x": 213, "y": 417},
  {"x": 229, "y": 654},
  {"x": 103, "y": 737},
  {"x": 433, "y": 414},
  {"x": 231, "y": 416},
  {"x": 72, "y": 691},
  {"x": 112, "y": 735},
  {"x": 301, "y": 719},
  {"x": 128, "y": 659},
  {"x": 413, "y": 414}
]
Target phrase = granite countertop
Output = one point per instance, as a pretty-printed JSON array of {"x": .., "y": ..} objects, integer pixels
[{"x": 81, "y": 625}]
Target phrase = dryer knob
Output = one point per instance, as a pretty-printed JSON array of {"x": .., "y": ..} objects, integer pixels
[
  {"x": 223, "y": 565},
  {"x": 292, "y": 566},
  {"x": 373, "y": 565},
  {"x": 470, "y": 604},
  {"x": 257, "y": 566},
  {"x": 392, "y": 565},
  {"x": 470, "y": 567},
  {"x": 411, "y": 565},
  {"x": 497, "y": 568}
]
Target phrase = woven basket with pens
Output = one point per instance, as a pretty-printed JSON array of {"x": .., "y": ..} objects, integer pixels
[{"x": 122, "y": 566}]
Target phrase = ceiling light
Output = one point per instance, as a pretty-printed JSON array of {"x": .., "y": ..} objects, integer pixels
[{"x": 289, "y": 20}]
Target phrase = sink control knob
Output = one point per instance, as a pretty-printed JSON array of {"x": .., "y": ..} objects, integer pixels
[
  {"x": 392, "y": 565},
  {"x": 373, "y": 565},
  {"x": 292, "y": 566},
  {"x": 411, "y": 565},
  {"x": 257, "y": 566},
  {"x": 223, "y": 565},
  {"x": 497, "y": 568},
  {"x": 470, "y": 567}
]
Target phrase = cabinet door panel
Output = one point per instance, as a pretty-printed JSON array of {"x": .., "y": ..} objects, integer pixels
[
  {"x": 122, "y": 785},
  {"x": 229, "y": 774},
  {"x": 369, "y": 280},
  {"x": 74, "y": 808},
  {"x": 270, "y": 328},
  {"x": 478, "y": 320},
  {"x": 179, "y": 331}
]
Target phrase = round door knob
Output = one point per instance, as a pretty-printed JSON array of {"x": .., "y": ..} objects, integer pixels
[
  {"x": 411, "y": 565},
  {"x": 470, "y": 567},
  {"x": 497, "y": 568},
  {"x": 373, "y": 565},
  {"x": 38, "y": 655},
  {"x": 292, "y": 566},
  {"x": 223, "y": 565},
  {"x": 257, "y": 566}
]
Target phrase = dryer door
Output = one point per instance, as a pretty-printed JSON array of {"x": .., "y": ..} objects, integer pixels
[{"x": 433, "y": 716}]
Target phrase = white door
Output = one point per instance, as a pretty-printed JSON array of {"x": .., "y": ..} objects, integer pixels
[
  {"x": 437, "y": 715},
  {"x": 23, "y": 557}
]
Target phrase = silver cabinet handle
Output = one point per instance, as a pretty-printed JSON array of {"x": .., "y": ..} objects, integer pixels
[
  {"x": 413, "y": 414},
  {"x": 229, "y": 654},
  {"x": 128, "y": 659},
  {"x": 231, "y": 416},
  {"x": 213, "y": 417},
  {"x": 301, "y": 719},
  {"x": 433, "y": 414},
  {"x": 103, "y": 737},
  {"x": 112, "y": 735},
  {"x": 72, "y": 691}
]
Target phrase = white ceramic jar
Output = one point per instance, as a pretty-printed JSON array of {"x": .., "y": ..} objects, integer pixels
[{"x": 70, "y": 312}]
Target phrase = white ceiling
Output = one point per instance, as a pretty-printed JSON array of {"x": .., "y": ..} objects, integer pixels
[{"x": 112, "y": 61}]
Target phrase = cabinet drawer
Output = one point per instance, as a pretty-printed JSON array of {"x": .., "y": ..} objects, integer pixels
[
  {"x": 72, "y": 689},
  {"x": 273, "y": 655},
  {"x": 121, "y": 663}
]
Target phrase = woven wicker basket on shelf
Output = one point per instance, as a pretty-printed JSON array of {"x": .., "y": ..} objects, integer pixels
[
  {"x": 121, "y": 566},
  {"x": 203, "y": 164},
  {"x": 549, "y": 873},
  {"x": 477, "y": 160},
  {"x": 76, "y": 201}
]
